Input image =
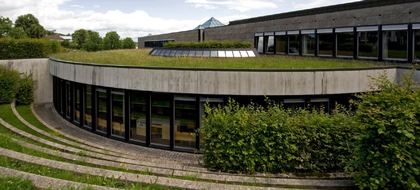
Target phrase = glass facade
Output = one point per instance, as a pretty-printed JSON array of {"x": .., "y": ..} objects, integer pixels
[
  {"x": 185, "y": 121},
  {"x": 88, "y": 107},
  {"x": 294, "y": 43},
  {"x": 101, "y": 111},
  {"x": 367, "y": 42},
  {"x": 281, "y": 44},
  {"x": 308, "y": 42},
  {"x": 395, "y": 42},
  {"x": 325, "y": 42},
  {"x": 400, "y": 43},
  {"x": 118, "y": 124},
  {"x": 138, "y": 112},
  {"x": 161, "y": 119}
]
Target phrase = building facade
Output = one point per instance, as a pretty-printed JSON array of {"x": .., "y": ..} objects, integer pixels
[{"x": 163, "y": 107}]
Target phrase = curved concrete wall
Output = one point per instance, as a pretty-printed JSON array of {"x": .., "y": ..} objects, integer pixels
[
  {"x": 38, "y": 68},
  {"x": 221, "y": 82}
]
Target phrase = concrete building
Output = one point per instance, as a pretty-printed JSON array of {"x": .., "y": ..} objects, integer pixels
[{"x": 163, "y": 107}]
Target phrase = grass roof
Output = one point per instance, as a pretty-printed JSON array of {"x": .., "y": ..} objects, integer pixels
[{"x": 141, "y": 58}]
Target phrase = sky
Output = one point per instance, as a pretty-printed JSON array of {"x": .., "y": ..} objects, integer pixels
[{"x": 137, "y": 18}]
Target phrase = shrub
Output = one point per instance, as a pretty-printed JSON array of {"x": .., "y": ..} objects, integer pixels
[
  {"x": 208, "y": 44},
  {"x": 27, "y": 48},
  {"x": 24, "y": 94},
  {"x": 9, "y": 84},
  {"x": 388, "y": 149},
  {"x": 256, "y": 139}
]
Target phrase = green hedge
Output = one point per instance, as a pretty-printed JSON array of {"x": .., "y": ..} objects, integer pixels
[
  {"x": 252, "y": 139},
  {"x": 208, "y": 44},
  {"x": 27, "y": 48},
  {"x": 388, "y": 151},
  {"x": 15, "y": 86}
]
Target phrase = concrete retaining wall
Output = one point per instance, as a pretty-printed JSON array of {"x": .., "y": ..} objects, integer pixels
[
  {"x": 221, "y": 82},
  {"x": 38, "y": 68}
]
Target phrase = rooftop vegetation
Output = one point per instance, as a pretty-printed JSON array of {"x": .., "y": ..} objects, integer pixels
[{"x": 141, "y": 58}]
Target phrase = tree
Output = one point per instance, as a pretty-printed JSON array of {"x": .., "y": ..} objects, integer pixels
[
  {"x": 17, "y": 33},
  {"x": 31, "y": 26},
  {"x": 5, "y": 26},
  {"x": 79, "y": 37},
  {"x": 93, "y": 41},
  {"x": 128, "y": 43},
  {"x": 112, "y": 41}
]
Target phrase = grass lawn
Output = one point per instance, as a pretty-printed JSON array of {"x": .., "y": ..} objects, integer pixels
[{"x": 141, "y": 58}]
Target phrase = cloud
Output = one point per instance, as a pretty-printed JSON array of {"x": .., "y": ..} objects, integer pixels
[
  {"x": 127, "y": 24},
  {"x": 319, "y": 3},
  {"x": 78, "y": 6},
  {"x": 239, "y": 5}
]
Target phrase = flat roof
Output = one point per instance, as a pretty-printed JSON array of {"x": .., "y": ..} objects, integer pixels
[{"x": 321, "y": 10}]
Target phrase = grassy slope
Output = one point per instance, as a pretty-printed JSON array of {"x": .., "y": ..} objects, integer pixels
[{"x": 141, "y": 58}]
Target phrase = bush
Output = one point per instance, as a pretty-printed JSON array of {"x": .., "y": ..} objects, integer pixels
[
  {"x": 9, "y": 82},
  {"x": 208, "y": 44},
  {"x": 255, "y": 139},
  {"x": 27, "y": 48},
  {"x": 24, "y": 94},
  {"x": 388, "y": 149}
]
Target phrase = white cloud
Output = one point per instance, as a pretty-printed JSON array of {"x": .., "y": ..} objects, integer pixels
[
  {"x": 127, "y": 24},
  {"x": 78, "y": 6},
  {"x": 318, "y": 3},
  {"x": 239, "y": 5}
]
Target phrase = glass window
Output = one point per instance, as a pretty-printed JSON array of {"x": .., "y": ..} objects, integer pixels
[
  {"x": 270, "y": 44},
  {"x": 213, "y": 103},
  {"x": 206, "y": 54},
  {"x": 345, "y": 43},
  {"x": 138, "y": 111},
  {"x": 77, "y": 102},
  {"x": 417, "y": 45},
  {"x": 367, "y": 42},
  {"x": 294, "y": 104},
  {"x": 320, "y": 104},
  {"x": 281, "y": 44},
  {"x": 260, "y": 44},
  {"x": 251, "y": 53},
  {"x": 101, "y": 111},
  {"x": 88, "y": 107},
  {"x": 160, "y": 119},
  {"x": 325, "y": 42},
  {"x": 236, "y": 54},
  {"x": 395, "y": 44},
  {"x": 185, "y": 122},
  {"x": 221, "y": 53},
  {"x": 308, "y": 45},
  {"x": 68, "y": 99},
  {"x": 118, "y": 126},
  {"x": 294, "y": 44}
]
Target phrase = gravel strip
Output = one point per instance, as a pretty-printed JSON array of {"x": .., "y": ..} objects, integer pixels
[
  {"x": 48, "y": 182},
  {"x": 165, "y": 181}
]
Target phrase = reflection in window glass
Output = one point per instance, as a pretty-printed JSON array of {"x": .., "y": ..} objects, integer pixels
[
  {"x": 191, "y": 53},
  {"x": 185, "y": 122},
  {"x": 294, "y": 42},
  {"x": 243, "y": 54},
  {"x": 212, "y": 103},
  {"x": 270, "y": 44},
  {"x": 118, "y": 127},
  {"x": 320, "y": 104},
  {"x": 281, "y": 43},
  {"x": 345, "y": 44},
  {"x": 294, "y": 104},
  {"x": 213, "y": 54},
  {"x": 325, "y": 44},
  {"x": 88, "y": 108},
  {"x": 185, "y": 53},
  {"x": 138, "y": 112},
  {"x": 101, "y": 111},
  {"x": 251, "y": 53},
  {"x": 417, "y": 45},
  {"x": 236, "y": 54},
  {"x": 160, "y": 120},
  {"x": 199, "y": 53},
  {"x": 260, "y": 46},
  {"x": 368, "y": 44},
  {"x": 395, "y": 44},
  {"x": 308, "y": 44},
  {"x": 77, "y": 103},
  {"x": 68, "y": 99},
  {"x": 229, "y": 54},
  {"x": 206, "y": 54}
]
